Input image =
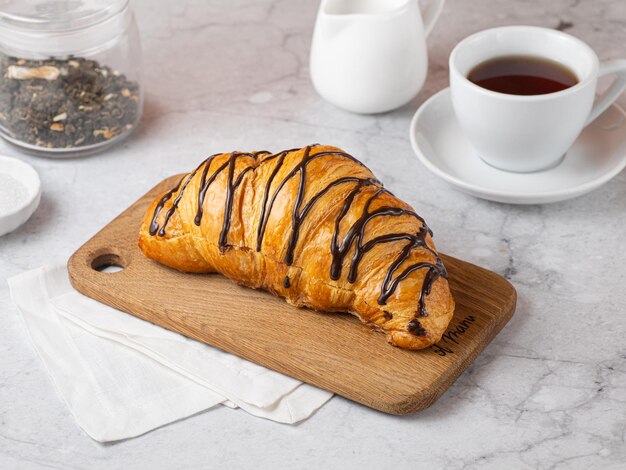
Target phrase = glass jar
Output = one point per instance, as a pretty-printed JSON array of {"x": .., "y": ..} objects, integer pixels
[{"x": 70, "y": 75}]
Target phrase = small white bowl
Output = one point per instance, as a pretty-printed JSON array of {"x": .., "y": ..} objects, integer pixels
[{"x": 25, "y": 174}]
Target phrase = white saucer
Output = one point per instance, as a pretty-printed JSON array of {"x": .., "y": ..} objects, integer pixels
[{"x": 598, "y": 155}]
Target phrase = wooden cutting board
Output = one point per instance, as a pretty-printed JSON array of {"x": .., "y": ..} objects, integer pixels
[{"x": 332, "y": 351}]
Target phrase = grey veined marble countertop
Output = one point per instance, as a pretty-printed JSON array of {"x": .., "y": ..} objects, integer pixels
[{"x": 549, "y": 392}]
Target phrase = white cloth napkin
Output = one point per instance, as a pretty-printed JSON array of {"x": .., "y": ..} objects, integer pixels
[{"x": 122, "y": 376}]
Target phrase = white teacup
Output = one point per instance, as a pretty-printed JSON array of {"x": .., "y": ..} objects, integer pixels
[{"x": 528, "y": 133}]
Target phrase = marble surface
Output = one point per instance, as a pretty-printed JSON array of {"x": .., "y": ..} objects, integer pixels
[{"x": 548, "y": 393}]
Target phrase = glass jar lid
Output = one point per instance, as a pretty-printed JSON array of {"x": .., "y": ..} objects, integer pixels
[
  {"x": 57, "y": 15},
  {"x": 36, "y": 28}
]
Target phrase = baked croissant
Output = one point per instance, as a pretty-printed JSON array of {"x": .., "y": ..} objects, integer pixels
[{"x": 312, "y": 225}]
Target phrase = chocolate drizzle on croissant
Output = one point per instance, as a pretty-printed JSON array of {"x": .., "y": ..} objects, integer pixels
[{"x": 339, "y": 248}]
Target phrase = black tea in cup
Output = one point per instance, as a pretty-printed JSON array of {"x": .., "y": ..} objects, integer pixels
[{"x": 522, "y": 75}]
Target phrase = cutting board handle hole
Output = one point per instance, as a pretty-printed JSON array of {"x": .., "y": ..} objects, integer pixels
[{"x": 108, "y": 263}]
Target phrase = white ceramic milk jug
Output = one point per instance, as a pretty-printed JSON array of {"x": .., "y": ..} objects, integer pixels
[{"x": 369, "y": 56}]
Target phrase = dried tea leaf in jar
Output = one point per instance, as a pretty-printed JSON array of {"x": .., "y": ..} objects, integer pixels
[{"x": 78, "y": 93}]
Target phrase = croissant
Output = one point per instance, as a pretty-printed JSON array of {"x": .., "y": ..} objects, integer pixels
[{"x": 312, "y": 225}]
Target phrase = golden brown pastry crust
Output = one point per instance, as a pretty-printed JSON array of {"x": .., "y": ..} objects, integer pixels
[{"x": 295, "y": 223}]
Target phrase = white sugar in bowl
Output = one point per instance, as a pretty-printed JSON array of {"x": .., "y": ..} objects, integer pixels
[{"x": 20, "y": 193}]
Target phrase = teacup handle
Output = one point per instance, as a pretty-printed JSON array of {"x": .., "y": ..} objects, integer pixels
[
  {"x": 617, "y": 67},
  {"x": 431, "y": 13}
]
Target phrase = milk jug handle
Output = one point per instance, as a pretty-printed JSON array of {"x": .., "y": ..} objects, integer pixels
[{"x": 430, "y": 14}]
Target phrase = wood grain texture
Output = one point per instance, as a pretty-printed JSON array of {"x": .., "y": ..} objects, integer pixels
[{"x": 332, "y": 351}]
